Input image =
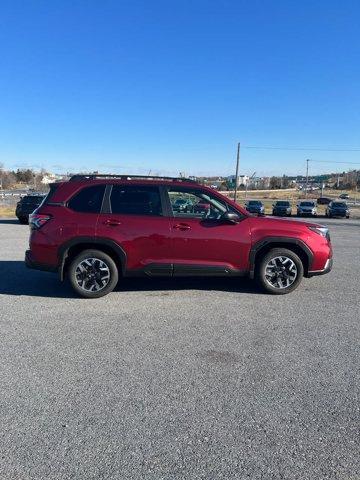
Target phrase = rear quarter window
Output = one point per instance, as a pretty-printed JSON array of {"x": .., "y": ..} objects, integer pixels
[{"x": 88, "y": 200}]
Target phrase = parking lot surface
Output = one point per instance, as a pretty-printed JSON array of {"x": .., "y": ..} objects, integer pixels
[{"x": 180, "y": 379}]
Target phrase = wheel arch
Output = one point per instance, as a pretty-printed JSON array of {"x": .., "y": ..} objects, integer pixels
[
  {"x": 259, "y": 249},
  {"x": 75, "y": 246}
]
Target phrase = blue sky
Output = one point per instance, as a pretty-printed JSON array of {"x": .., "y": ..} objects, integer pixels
[{"x": 169, "y": 86}]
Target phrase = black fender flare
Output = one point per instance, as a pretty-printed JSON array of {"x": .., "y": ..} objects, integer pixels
[
  {"x": 93, "y": 241},
  {"x": 256, "y": 247}
]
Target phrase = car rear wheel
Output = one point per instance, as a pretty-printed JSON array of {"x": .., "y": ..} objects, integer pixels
[
  {"x": 23, "y": 220},
  {"x": 279, "y": 271},
  {"x": 93, "y": 274}
]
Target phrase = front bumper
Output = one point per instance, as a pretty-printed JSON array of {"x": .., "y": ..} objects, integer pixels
[
  {"x": 306, "y": 213},
  {"x": 30, "y": 263},
  {"x": 341, "y": 214},
  {"x": 281, "y": 213},
  {"x": 326, "y": 269}
]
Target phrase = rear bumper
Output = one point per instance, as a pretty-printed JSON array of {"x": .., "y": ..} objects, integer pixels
[
  {"x": 326, "y": 269},
  {"x": 30, "y": 263}
]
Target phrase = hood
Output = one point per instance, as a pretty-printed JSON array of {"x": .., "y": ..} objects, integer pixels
[{"x": 269, "y": 222}]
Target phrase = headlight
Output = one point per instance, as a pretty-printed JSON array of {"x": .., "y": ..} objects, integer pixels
[{"x": 323, "y": 231}]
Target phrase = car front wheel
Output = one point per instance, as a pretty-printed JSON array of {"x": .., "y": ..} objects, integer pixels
[
  {"x": 279, "y": 271},
  {"x": 93, "y": 274}
]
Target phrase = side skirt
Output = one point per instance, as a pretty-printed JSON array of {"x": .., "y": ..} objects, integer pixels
[{"x": 181, "y": 270}]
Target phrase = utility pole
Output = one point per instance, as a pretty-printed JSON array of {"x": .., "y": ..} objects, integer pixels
[
  {"x": 237, "y": 171},
  {"x": 307, "y": 177}
]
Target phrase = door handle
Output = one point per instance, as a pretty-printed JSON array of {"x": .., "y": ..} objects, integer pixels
[
  {"x": 112, "y": 222},
  {"x": 182, "y": 226}
]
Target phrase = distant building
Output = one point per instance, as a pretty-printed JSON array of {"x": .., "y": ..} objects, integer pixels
[
  {"x": 51, "y": 178},
  {"x": 242, "y": 180}
]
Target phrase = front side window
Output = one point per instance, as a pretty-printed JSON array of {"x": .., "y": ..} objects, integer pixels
[
  {"x": 135, "y": 200},
  {"x": 88, "y": 200},
  {"x": 188, "y": 203}
]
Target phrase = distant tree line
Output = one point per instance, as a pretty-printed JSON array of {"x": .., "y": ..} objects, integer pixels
[
  {"x": 11, "y": 178},
  {"x": 277, "y": 183}
]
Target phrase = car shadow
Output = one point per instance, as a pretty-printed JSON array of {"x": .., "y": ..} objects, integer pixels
[
  {"x": 16, "y": 279},
  {"x": 221, "y": 284}
]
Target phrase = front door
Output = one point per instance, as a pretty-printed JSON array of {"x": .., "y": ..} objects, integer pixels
[{"x": 202, "y": 243}]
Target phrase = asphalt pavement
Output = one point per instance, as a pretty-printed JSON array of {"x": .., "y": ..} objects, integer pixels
[{"x": 180, "y": 379}]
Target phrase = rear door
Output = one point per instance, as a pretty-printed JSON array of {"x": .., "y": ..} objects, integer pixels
[
  {"x": 133, "y": 217},
  {"x": 202, "y": 243}
]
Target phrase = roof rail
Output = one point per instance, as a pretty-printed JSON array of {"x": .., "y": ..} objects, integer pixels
[{"x": 94, "y": 176}]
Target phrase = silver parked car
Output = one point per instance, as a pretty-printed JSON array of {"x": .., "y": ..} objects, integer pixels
[{"x": 307, "y": 208}]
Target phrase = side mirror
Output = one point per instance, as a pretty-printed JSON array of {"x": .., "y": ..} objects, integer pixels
[{"x": 230, "y": 217}]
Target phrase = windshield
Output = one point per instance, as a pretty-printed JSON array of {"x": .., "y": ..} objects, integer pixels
[
  {"x": 338, "y": 205},
  {"x": 282, "y": 204},
  {"x": 307, "y": 204},
  {"x": 254, "y": 202}
]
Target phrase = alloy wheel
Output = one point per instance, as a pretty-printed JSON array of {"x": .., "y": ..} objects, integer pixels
[
  {"x": 92, "y": 274},
  {"x": 281, "y": 272}
]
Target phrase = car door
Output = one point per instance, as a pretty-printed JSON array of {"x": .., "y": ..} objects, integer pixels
[
  {"x": 133, "y": 218},
  {"x": 203, "y": 243}
]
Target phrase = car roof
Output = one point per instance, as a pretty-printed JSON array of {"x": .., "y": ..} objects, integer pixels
[{"x": 131, "y": 178}]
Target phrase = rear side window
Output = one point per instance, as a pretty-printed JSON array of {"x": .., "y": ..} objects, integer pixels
[
  {"x": 135, "y": 200},
  {"x": 88, "y": 200}
]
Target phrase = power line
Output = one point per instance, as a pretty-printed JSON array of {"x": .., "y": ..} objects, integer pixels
[
  {"x": 254, "y": 147},
  {"x": 333, "y": 161}
]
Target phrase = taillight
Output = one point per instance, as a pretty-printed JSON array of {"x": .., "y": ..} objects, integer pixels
[{"x": 36, "y": 220}]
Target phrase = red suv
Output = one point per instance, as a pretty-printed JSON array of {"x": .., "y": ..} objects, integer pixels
[{"x": 94, "y": 229}]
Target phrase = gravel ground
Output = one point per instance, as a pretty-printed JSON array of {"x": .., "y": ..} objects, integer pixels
[{"x": 186, "y": 379}]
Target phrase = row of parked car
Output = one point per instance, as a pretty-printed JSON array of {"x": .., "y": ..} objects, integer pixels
[{"x": 281, "y": 208}]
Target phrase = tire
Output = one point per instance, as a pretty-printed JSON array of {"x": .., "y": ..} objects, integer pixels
[
  {"x": 96, "y": 271},
  {"x": 294, "y": 271},
  {"x": 23, "y": 220}
]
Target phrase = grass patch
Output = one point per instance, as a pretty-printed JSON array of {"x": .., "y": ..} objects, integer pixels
[{"x": 6, "y": 211}]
